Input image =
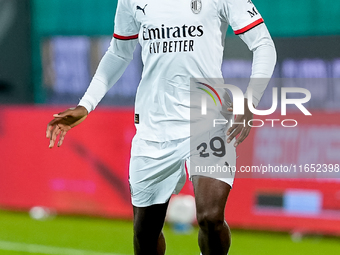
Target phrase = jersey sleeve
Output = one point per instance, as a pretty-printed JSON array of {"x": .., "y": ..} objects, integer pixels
[
  {"x": 242, "y": 15},
  {"x": 264, "y": 59},
  {"x": 126, "y": 26},
  {"x": 116, "y": 58}
]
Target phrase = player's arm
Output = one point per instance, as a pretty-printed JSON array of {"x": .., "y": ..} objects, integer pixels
[
  {"x": 110, "y": 69},
  {"x": 247, "y": 22},
  {"x": 261, "y": 44},
  {"x": 264, "y": 59}
]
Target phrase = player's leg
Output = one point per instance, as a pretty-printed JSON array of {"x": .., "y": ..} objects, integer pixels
[
  {"x": 211, "y": 196},
  {"x": 148, "y": 223},
  {"x": 155, "y": 174}
]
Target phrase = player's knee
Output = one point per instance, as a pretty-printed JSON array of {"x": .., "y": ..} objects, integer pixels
[
  {"x": 140, "y": 232},
  {"x": 210, "y": 220},
  {"x": 145, "y": 234}
]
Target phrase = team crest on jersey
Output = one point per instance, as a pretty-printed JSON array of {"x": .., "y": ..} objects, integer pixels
[{"x": 196, "y": 6}]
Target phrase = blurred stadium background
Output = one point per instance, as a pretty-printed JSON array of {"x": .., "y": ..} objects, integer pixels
[{"x": 49, "y": 50}]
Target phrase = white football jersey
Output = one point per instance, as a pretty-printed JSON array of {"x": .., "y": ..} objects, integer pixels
[{"x": 180, "y": 39}]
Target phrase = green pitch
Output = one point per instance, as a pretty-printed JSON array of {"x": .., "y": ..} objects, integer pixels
[{"x": 19, "y": 234}]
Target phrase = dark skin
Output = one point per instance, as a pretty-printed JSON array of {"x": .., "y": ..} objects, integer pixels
[
  {"x": 148, "y": 223},
  {"x": 214, "y": 234},
  {"x": 210, "y": 194},
  {"x": 240, "y": 129},
  {"x": 63, "y": 122}
]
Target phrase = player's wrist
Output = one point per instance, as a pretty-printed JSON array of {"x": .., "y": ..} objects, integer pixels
[{"x": 82, "y": 109}]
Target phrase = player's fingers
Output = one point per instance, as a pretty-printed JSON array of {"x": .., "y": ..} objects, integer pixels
[
  {"x": 244, "y": 133},
  {"x": 52, "y": 141},
  {"x": 231, "y": 129},
  {"x": 243, "y": 136},
  {"x": 54, "y": 135},
  {"x": 234, "y": 133},
  {"x": 59, "y": 115},
  {"x": 62, "y": 137},
  {"x": 48, "y": 131},
  {"x": 64, "y": 114},
  {"x": 50, "y": 127},
  {"x": 52, "y": 138}
]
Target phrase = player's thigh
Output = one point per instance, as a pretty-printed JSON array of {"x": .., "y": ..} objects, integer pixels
[{"x": 149, "y": 219}]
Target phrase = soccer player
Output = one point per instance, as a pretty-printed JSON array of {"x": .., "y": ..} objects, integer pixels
[{"x": 180, "y": 40}]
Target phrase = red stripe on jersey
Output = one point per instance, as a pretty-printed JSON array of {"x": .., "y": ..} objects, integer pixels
[
  {"x": 250, "y": 26},
  {"x": 121, "y": 37}
]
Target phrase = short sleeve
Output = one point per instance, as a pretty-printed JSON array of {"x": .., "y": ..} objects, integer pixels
[
  {"x": 126, "y": 27},
  {"x": 242, "y": 15}
]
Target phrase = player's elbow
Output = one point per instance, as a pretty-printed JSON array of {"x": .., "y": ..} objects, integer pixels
[
  {"x": 267, "y": 49},
  {"x": 271, "y": 48},
  {"x": 265, "y": 42},
  {"x": 114, "y": 54}
]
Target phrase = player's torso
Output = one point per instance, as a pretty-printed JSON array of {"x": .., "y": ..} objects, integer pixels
[{"x": 180, "y": 39}]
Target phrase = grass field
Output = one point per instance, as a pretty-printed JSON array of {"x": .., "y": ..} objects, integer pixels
[{"x": 64, "y": 235}]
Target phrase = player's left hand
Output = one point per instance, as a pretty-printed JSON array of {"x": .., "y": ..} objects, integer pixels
[{"x": 241, "y": 129}]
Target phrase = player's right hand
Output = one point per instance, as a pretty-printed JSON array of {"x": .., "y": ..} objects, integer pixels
[
  {"x": 63, "y": 122},
  {"x": 239, "y": 129}
]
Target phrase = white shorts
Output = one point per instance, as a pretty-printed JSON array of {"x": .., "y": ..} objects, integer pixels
[{"x": 157, "y": 169}]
